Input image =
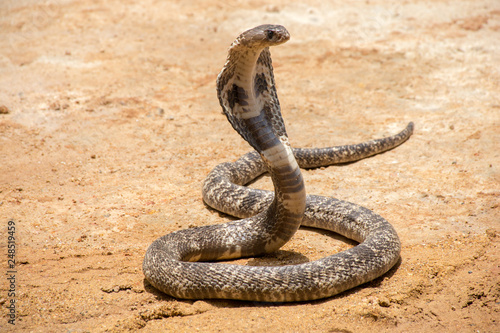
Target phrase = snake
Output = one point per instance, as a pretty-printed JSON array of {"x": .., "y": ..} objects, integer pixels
[{"x": 183, "y": 263}]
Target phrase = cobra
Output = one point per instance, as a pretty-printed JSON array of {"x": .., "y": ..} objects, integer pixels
[{"x": 181, "y": 264}]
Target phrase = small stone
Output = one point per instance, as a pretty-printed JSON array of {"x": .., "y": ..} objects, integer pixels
[
  {"x": 4, "y": 109},
  {"x": 384, "y": 302},
  {"x": 491, "y": 233}
]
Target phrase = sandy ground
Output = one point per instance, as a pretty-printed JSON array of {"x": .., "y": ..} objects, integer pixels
[{"x": 109, "y": 122}]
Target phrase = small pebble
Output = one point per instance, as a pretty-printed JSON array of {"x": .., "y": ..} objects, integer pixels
[
  {"x": 4, "y": 109},
  {"x": 384, "y": 302}
]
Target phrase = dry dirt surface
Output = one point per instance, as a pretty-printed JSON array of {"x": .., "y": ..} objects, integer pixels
[{"x": 109, "y": 122}]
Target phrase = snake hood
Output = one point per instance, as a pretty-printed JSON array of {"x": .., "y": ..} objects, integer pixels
[{"x": 246, "y": 86}]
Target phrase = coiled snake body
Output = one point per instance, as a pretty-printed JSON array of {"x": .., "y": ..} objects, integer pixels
[{"x": 177, "y": 262}]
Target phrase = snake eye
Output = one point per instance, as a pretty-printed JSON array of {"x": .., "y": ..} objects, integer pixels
[{"x": 270, "y": 34}]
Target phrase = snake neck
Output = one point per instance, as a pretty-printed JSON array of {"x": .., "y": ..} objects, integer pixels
[{"x": 247, "y": 94}]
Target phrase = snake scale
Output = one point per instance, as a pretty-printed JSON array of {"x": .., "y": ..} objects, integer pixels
[{"x": 181, "y": 263}]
